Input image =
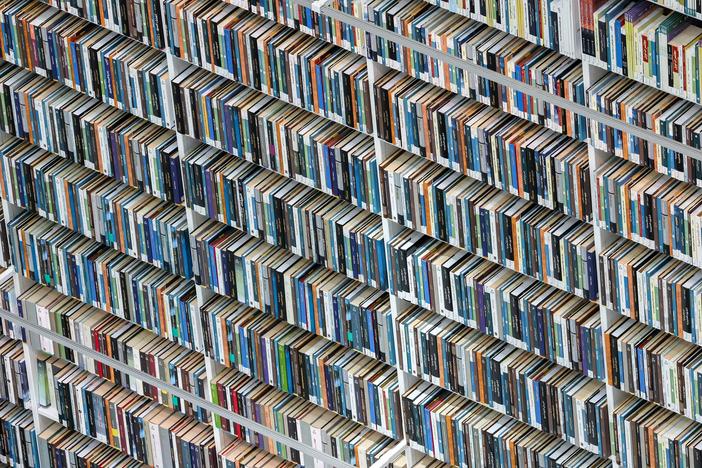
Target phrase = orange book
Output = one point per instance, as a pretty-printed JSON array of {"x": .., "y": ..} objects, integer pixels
[
  {"x": 449, "y": 435},
  {"x": 354, "y": 114},
  {"x": 161, "y": 309},
  {"x": 482, "y": 388},
  {"x": 315, "y": 91},
  {"x": 427, "y": 206}
]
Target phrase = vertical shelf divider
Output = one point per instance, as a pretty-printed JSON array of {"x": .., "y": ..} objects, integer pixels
[
  {"x": 390, "y": 229},
  {"x": 603, "y": 239},
  {"x": 31, "y": 344}
]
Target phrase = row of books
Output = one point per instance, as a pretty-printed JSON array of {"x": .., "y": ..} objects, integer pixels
[
  {"x": 5, "y": 259},
  {"x": 286, "y": 213},
  {"x": 519, "y": 310},
  {"x": 239, "y": 454},
  {"x": 14, "y": 386},
  {"x": 649, "y": 435},
  {"x": 650, "y": 208},
  {"x": 506, "y": 152},
  {"x": 557, "y": 251},
  {"x": 298, "y": 291},
  {"x": 308, "y": 296},
  {"x": 688, "y": 7},
  {"x": 111, "y": 281},
  {"x": 112, "y": 68},
  {"x": 421, "y": 461},
  {"x": 652, "y": 288},
  {"x": 655, "y": 366},
  {"x": 89, "y": 132},
  {"x": 464, "y": 433},
  {"x": 522, "y": 236},
  {"x": 97, "y": 206},
  {"x": 116, "y": 416},
  {"x": 652, "y": 109},
  {"x": 18, "y": 438},
  {"x": 509, "y": 380},
  {"x": 277, "y": 136},
  {"x": 645, "y": 42},
  {"x": 144, "y": 21},
  {"x": 480, "y": 44},
  {"x": 296, "y": 418},
  {"x": 550, "y": 24},
  {"x": 565, "y": 184},
  {"x": 270, "y": 57},
  {"x": 300, "y": 363},
  {"x": 70, "y": 448},
  {"x": 123, "y": 341}
]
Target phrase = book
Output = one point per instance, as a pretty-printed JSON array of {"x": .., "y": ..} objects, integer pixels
[
  {"x": 288, "y": 214},
  {"x": 78, "y": 267}
]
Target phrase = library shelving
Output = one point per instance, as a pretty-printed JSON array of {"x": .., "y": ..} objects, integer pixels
[{"x": 344, "y": 233}]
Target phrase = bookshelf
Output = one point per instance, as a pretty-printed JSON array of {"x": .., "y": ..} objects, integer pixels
[{"x": 400, "y": 449}]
